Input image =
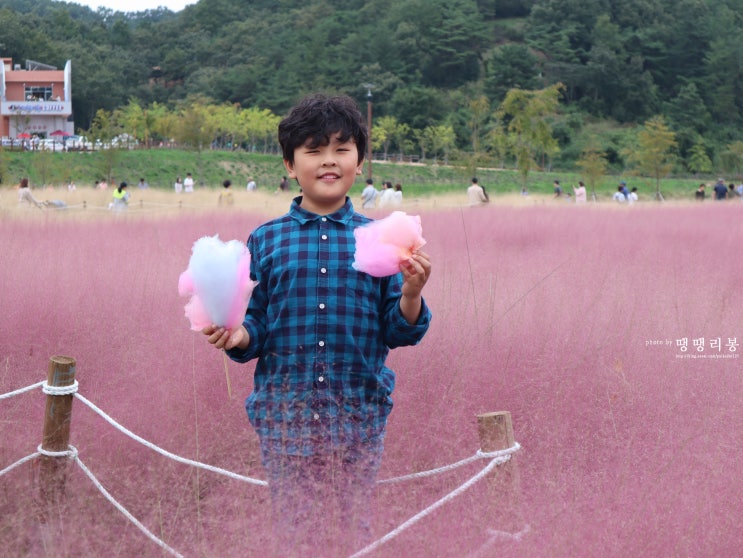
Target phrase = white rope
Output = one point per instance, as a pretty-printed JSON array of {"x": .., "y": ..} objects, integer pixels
[
  {"x": 497, "y": 458},
  {"x": 9, "y": 468},
  {"x": 479, "y": 455},
  {"x": 494, "y": 535},
  {"x": 71, "y": 452},
  {"x": 59, "y": 390},
  {"x": 166, "y": 453},
  {"x": 126, "y": 512},
  {"x": 453, "y": 494},
  {"x": 21, "y": 390},
  {"x": 499, "y": 453}
]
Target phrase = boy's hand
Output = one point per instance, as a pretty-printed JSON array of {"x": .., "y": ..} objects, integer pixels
[
  {"x": 223, "y": 338},
  {"x": 415, "y": 272}
]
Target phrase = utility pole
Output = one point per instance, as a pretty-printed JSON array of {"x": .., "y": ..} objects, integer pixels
[{"x": 369, "y": 87}]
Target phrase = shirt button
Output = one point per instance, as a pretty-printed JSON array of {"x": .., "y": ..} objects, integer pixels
[
  {"x": 321, "y": 379},
  {"x": 321, "y": 343},
  {"x": 317, "y": 416},
  {"x": 322, "y": 306},
  {"x": 323, "y": 270},
  {"x": 324, "y": 219},
  {"x": 324, "y": 237}
]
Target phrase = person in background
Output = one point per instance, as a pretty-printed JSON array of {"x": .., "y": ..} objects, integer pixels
[
  {"x": 397, "y": 195},
  {"x": 225, "y": 197},
  {"x": 557, "y": 189},
  {"x": 720, "y": 189},
  {"x": 178, "y": 186},
  {"x": 369, "y": 195},
  {"x": 25, "y": 197},
  {"x": 633, "y": 197},
  {"x": 580, "y": 193},
  {"x": 700, "y": 192},
  {"x": 252, "y": 186},
  {"x": 623, "y": 188},
  {"x": 143, "y": 184},
  {"x": 386, "y": 198},
  {"x": 321, "y": 332},
  {"x": 476, "y": 194},
  {"x": 120, "y": 198},
  {"x": 619, "y": 196},
  {"x": 188, "y": 183},
  {"x": 283, "y": 185},
  {"x": 731, "y": 191}
]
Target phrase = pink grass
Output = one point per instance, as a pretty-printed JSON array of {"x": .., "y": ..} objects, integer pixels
[{"x": 628, "y": 450}]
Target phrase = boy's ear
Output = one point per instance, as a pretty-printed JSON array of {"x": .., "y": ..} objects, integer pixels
[
  {"x": 289, "y": 168},
  {"x": 360, "y": 168}
]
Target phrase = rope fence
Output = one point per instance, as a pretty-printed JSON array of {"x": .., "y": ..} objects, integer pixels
[{"x": 495, "y": 430}]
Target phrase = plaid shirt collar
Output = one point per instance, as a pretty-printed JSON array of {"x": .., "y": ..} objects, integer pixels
[{"x": 302, "y": 216}]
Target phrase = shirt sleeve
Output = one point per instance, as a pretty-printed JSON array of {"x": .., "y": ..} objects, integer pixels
[{"x": 397, "y": 331}]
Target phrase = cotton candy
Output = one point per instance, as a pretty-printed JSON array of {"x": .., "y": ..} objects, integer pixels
[
  {"x": 218, "y": 282},
  {"x": 381, "y": 246}
]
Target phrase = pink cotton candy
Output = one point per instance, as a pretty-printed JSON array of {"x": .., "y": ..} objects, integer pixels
[
  {"x": 218, "y": 282},
  {"x": 381, "y": 246}
]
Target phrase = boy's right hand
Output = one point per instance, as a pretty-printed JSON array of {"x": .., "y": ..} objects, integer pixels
[{"x": 223, "y": 338}]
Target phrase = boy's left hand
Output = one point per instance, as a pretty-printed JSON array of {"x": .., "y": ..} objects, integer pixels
[{"x": 415, "y": 272}]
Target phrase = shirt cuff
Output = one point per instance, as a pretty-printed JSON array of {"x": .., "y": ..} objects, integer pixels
[{"x": 244, "y": 355}]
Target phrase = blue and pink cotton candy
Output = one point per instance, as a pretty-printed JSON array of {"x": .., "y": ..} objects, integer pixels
[
  {"x": 382, "y": 245},
  {"x": 218, "y": 282}
]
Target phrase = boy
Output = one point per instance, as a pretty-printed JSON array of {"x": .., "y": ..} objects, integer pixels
[{"x": 321, "y": 332}]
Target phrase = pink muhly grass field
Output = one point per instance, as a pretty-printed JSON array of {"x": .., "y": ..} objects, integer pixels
[{"x": 567, "y": 317}]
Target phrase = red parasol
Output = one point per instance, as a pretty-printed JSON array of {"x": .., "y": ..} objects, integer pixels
[
  {"x": 58, "y": 133},
  {"x": 24, "y": 135}
]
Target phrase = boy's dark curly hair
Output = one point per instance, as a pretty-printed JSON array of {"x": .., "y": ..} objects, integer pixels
[{"x": 317, "y": 117}]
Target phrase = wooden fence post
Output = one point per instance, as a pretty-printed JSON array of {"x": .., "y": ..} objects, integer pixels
[
  {"x": 56, "y": 438},
  {"x": 504, "y": 486}
]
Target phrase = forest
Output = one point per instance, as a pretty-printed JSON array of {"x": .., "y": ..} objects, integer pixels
[{"x": 437, "y": 72}]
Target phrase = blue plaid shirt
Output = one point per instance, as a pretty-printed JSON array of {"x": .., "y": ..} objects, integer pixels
[{"x": 321, "y": 332}]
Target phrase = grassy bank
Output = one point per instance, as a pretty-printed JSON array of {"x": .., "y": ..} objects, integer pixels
[{"x": 160, "y": 167}]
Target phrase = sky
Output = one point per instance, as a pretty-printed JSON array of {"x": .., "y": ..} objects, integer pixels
[{"x": 134, "y": 5}]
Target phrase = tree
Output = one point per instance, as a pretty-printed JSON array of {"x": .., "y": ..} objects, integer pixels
[
  {"x": 103, "y": 130},
  {"x": 593, "y": 163},
  {"x": 436, "y": 139},
  {"x": 699, "y": 161},
  {"x": 525, "y": 115},
  {"x": 512, "y": 66},
  {"x": 479, "y": 109},
  {"x": 383, "y": 130},
  {"x": 260, "y": 127},
  {"x": 731, "y": 159},
  {"x": 653, "y": 154},
  {"x": 197, "y": 126}
]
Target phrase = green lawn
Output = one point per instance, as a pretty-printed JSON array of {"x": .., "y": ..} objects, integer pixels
[{"x": 161, "y": 166}]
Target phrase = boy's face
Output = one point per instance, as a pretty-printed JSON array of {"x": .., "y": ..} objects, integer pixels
[{"x": 325, "y": 173}]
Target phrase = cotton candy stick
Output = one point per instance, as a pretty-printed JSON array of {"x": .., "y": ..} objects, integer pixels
[
  {"x": 218, "y": 282},
  {"x": 381, "y": 246}
]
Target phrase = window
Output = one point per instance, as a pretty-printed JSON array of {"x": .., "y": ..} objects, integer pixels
[{"x": 38, "y": 93}]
